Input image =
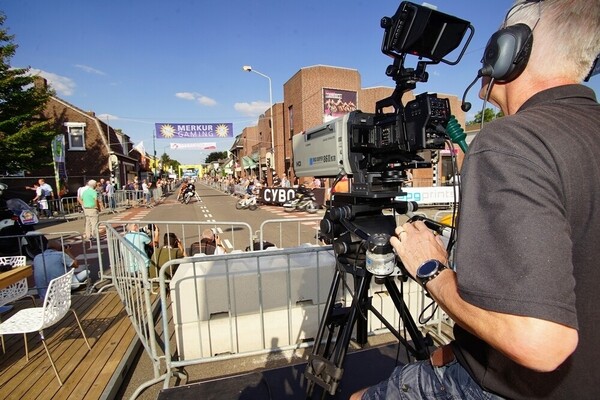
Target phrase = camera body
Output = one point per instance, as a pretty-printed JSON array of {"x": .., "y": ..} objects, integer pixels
[{"x": 374, "y": 148}]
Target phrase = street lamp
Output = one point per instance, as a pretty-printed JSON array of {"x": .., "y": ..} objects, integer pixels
[{"x": 248, "y": 68}]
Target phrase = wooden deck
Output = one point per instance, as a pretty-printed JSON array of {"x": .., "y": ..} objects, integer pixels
[{"x": 95, "y": 374}]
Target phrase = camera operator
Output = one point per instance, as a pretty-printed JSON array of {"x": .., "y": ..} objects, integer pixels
[{"x": 524, "y": 296}]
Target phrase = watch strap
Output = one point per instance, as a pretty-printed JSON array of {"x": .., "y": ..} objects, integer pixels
[{"x": 424, "y": 280}]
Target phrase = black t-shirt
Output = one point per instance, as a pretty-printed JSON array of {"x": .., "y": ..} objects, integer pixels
[{"x": 528, "y": 238}]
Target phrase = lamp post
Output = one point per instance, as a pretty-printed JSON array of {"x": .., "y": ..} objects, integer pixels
[{"x": 248, "y": 68}]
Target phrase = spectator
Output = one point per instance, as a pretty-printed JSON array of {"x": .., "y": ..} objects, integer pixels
[
  {"x": 211, "y": 243},
  {"x": 47, "y": 189},
  {"x": 43, "y": 191},
  {"x": 52, "y": 263},
  {"x": 91, "y": 209},
  {"x": 146, "y": 192},
  {"x": 143, "y": 245},
  {"x": 172, "y": 249},
  {"x": 39, "y": 200},
  {"x": 110, "y": 195},
  {"x": 101, "y": 189}
]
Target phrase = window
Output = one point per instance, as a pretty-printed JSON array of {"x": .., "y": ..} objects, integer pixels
[
  {"x": 76, "y": 133},
  {"x": 291, "y": 120}
]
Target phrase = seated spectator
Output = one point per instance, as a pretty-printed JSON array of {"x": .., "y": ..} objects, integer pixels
[
  {"x": 209, "y": 244},
  {"x": 142, "y": 243},
  {"x": 52, "y": 263},
  {"x": 172, "y": 249}
]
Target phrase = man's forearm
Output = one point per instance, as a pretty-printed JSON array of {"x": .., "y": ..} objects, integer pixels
[{"x": 534, "y": 343}]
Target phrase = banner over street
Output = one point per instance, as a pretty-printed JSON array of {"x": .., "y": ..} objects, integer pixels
[{"x": 169, "y": 130}]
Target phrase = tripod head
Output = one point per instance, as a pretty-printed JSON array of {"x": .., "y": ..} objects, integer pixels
[{"x": 359, "y": 231}]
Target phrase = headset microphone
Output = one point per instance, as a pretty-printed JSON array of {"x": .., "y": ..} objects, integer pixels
[
  {"x": 465, "y": 105},
  {"x": 485, "y": 71}
]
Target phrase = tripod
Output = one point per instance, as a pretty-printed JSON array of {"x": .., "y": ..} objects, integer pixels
[{"x": 325, "y": 364}]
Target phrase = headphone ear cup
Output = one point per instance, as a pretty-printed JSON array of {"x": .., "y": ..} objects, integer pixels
[{"x": 507, "y": 52}]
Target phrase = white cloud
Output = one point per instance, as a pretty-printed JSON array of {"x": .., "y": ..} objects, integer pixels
[
  {"x": 64, "y": 86},
  {"x": 89, "y": 69},
  {"x": 253, "y": 109},
  {"x": 185, "y": 95},
  {"x": 192, "y": 96},
  {"x": 206, "y": 101}
]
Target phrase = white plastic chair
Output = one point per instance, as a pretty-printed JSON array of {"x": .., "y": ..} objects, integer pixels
[
  {"x": 17, "y": 290},
  {"x": 56, "y": 305}
]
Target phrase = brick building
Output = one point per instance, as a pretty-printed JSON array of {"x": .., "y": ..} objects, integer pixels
[{"x": 92, "y": 150}]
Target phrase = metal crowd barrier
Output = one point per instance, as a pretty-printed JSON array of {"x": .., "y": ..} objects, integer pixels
[
  {"x": 134, "y": 289},
  {"x": 275, "y": 228},
  {"x": 238, "y": 304},
  {"x": 121, "y": 199},
  {"x": 233, "y": 235}
]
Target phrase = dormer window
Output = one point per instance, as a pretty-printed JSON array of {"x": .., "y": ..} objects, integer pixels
[{"x": 76, "y": 133}]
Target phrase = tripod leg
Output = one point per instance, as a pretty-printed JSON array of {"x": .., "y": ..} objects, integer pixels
[
  {"x": 315, "y": 364},
  {"x": 420, "y": 350},
  {"x": 325, "y": 367}
]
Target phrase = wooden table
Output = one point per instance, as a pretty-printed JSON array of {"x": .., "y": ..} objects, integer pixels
[{"x": 15, "y": 275}]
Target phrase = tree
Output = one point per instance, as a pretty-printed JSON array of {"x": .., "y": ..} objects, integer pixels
[
  {"x": 25, "y": 135},
  {"x": 166, "y": 162},
  {"x": 488, "y": 115},
  {"x": 216, "y": 156}
]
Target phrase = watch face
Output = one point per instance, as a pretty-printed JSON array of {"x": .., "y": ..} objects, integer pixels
[{"x": 427, "y": 269}]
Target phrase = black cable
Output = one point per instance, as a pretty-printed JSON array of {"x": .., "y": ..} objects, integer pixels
[
  {"x": 338, "y": 178},
  {"x": 456, "y": 198}
]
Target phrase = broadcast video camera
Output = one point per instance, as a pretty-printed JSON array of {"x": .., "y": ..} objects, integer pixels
[{"x": 376, "y": 149}]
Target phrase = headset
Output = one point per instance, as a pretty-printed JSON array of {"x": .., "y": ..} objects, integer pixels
[{"x": 506, "y": 53}]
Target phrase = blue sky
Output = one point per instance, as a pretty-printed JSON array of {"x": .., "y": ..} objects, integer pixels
[{"x": 139, "y": 62}]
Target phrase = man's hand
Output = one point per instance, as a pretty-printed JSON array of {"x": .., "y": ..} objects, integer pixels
[{"x": 415, "y": 243}]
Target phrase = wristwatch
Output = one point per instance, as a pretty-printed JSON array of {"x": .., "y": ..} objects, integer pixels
[{"x": 429, "y": 270}]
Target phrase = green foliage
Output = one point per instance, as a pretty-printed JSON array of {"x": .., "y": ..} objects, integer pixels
[
  {"x": 25, "y": 135},
  {"x": 216, "y": 156},
  {"x": 167, "y": 162},
  {"x": 488, "y": 115}
]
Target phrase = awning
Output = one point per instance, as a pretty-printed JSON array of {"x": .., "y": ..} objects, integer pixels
[{"x": 248, "y": 162}]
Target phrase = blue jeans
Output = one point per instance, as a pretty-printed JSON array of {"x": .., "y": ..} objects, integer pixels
[{"x": 420, "y": 380}]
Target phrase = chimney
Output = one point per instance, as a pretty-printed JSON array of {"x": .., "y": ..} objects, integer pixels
[{"x": 40, "y": 82}]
